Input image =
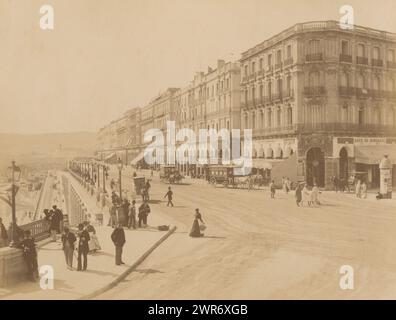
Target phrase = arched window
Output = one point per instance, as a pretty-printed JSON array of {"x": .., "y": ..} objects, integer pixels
[
  {"x": 246, "y": 121},
  {"x": 361, "y": 115},
  {"x": 344, "y": 79},
  {"x": 279, "y": 117},
  {"x": 253, "y": 120},
  {"x": 269, "y": 118},
  {"x": 361, "y": 50},
  {"x": 376, "y": 53},
  {"x": 289, "y": 116},
  {"x": 391, "y": 85},
  {"x": 269, "y": 87},
  {"x": 313, "y": 79},
  {"x": 376, "y": 115},
  {"x": 314, "y": 46},
  {"x": 361, "y": 81},
  {"x": 376, "y": 83},
  {"x": 344, "y": 113}
]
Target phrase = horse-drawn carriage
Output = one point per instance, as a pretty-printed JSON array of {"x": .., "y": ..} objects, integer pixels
[
  {"x": 225, "y": 176},
  {"x": 169, "y": 174}
]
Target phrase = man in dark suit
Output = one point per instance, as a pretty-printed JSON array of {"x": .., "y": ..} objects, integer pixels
[
  {"x": 30, "y": 254},
  {"x": 83, "y": 248},
  {"x": 118, "y": 238}
]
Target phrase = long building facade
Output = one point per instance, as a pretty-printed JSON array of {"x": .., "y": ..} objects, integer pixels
[{"x": 321, "y": 101}]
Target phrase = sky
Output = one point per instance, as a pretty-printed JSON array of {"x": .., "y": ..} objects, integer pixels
[{"x": 104, "y": 56}]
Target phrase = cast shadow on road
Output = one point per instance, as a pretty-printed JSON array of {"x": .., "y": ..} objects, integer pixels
[
  {"x": 148, "y": 271},
  {"x": 214, "y": 237},
  {"x": 100, "y": 273}
]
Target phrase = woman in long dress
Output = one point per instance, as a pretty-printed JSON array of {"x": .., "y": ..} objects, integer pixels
[
  {"x": 315, "y": 195},
  {"x": 358, "y": 189},
  {"x": 195, "y": 230},
  {"x": 93, "y": 242},
  {"x": 305, "y": 195}
]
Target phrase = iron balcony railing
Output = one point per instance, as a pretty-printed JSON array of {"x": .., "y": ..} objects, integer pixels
[
  {"x": 274, "y": 130},
  {"x": 314, "y": 91},
  {"x": 314, "y": 57},
  {"x": 346, "y": 91},
  {"x": 377, "y": 63},
  {"x": 278, "y": 65},
  {"x": 391, "y": 64},
  {"x": 288, "y": 62},
  {"x": 361, "y": 60},
  {"x": 345, "y": 58},
  {"x": 345, "y": 127}
]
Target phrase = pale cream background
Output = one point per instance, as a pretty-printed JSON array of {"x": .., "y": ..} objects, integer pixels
[{"x": 106, "y": 56}]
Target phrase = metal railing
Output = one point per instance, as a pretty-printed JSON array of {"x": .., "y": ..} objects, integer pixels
[
  {"x": 39, "y": 229},
  {"x": 377, "y": 62},
  {"x": 314, "y": 57},
  {"x": 345, "y": 127},
  {"x": 314, "y": 91},
  {"x": 345, "y": 58},
  {"x": 361, "y": 60}
]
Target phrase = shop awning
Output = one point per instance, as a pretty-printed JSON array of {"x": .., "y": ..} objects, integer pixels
[
  {"x": 139, "y": 157},
  {"x": 111, "y": 155},
  {"x": 374, "y": 154},
  {"x": 264, "y": 163}
]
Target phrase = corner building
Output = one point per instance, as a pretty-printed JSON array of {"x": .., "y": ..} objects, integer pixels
[{"x": 321, "y": 101}]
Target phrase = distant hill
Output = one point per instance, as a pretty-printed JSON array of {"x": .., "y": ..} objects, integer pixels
[{"x": 51, "y": 144}]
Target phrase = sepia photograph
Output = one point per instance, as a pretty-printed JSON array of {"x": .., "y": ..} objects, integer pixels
[{"x": 177, "y": 150}]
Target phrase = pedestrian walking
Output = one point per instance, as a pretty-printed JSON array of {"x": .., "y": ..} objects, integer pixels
[
  {"x": 169, "y": 194},
  {"x": 272, "y": 189},
  {"x": 364, "y": 190},
  {"x": 30, "y": 255},
  {"x": 68, "y": 240},
  {"x": 305, "y": 197},
  {"x": 93, "y": 242},
  {"x": 113, "y": 216},
  {"x": 112, "y": 184},
  {"x": 298, "y": 194},
  {"x": 132, "y": 215},
  {"x": 54, "y": 225},
  {"x": 59, "y": 218},
  {"x": 118, "y": 238},
  {"x": 3, "y": 235},
  {"x": 358, "y": 189},
  {"x": 287, "y": 185},
  {"x": 144, "y": 211},
  {"x": 83, "y": 248},
  {"x": 315, "y": 195},
  {"x": 195, "y": 229}
]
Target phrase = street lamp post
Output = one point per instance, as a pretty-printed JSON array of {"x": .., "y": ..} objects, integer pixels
[
  {"x": 119, "y": 166},
  {"x": 14, "y": 190}
]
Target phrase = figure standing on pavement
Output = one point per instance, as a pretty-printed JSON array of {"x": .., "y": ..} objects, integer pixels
[
  {"x": 93, "y": 243},
  {"x": 298, "y": 194},
  {"x": 3, "y": 235},
  {"x": 112, "y": 184},
  {"x": 169, "y": 194},
  {"x": 272, "y": 189},
  {"x": 144, "y": 211},
  {"x": 30, "y": 255},
  {"x": 315, "y": 195},
  {"x": 364, "y": 190},
  {"x": 83, "y": 248},
  {"x": 358, "y": 189},
  {"x": 196, "y": 230},
  {"x": 118, "y": 238},
  {"x": 147, "y": 190},
  {"x": 54, "y": 225},
  {"x": 305, "y": 195},
  {"x": 132, "y": 215},
  {"x": 68, "y": 240},
  {"x": 113, "y": 216},
  {"x": 59, "y": 217}
]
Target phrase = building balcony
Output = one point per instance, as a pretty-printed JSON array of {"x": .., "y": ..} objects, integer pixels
[
  {"x": 288, "y": 129},
  {"x": 270, "y": 69},
  {"x": 244, "y": 79},
  {"x": 361, "y": 60},
  {"x": 288, "y": 62},
  {"x": 345, "y": 58},
  {"x": 390, "y": 94},
  {"x": 345, "y": 127},
  {"x": 377, "y": 94},
  {"x": 314, "y": 91},
  {"x": 260, "y": 73},
  {"x": 346, "y": 91},
  {"x": 312, "y": 57},
  {"x": 362, "y": 93},
  {"x": 278, "y": 65},
  {"x": 252, "y": 76},
  {"x": 288, "y": 94},
  {"x": 391, "y": 64},
  {"x": 377, "y": 63}
]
